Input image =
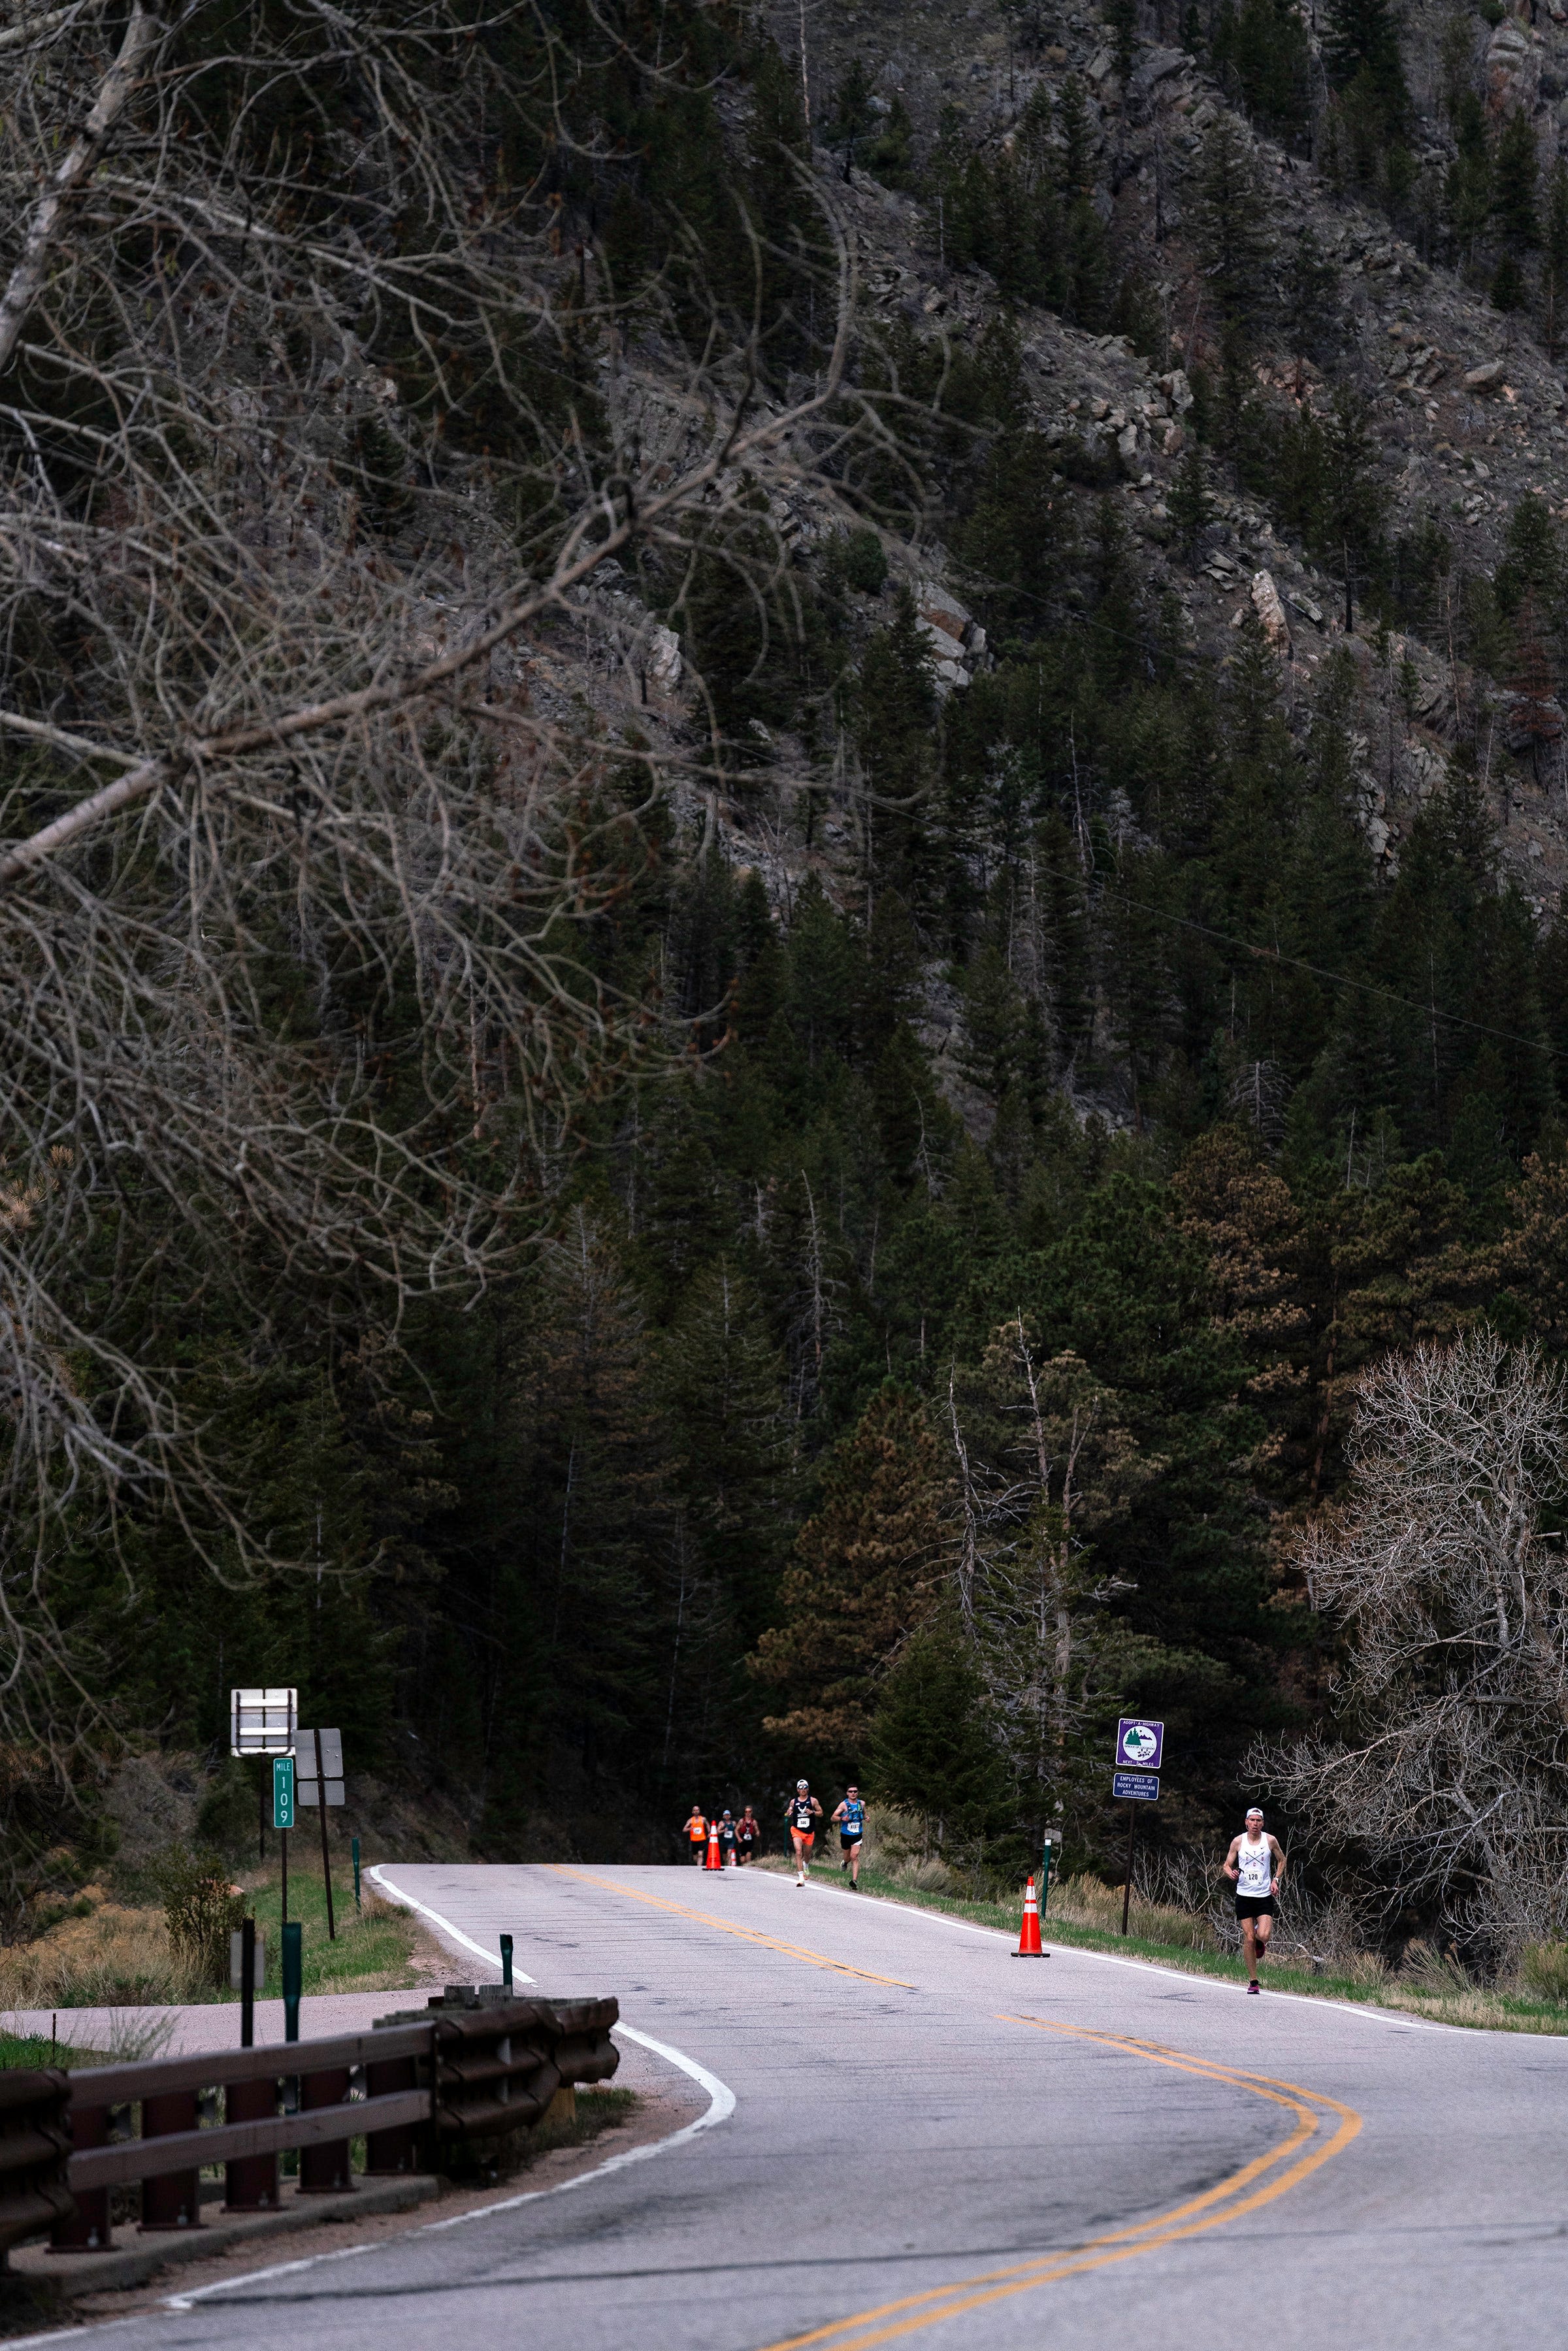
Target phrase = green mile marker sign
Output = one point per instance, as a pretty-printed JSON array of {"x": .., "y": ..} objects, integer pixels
[{"x": 282, "y": 1792}]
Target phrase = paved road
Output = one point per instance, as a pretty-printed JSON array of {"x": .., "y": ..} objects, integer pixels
[
  {"x": 929, "y": 2137},
  {"x": 134, "y": 2033}
]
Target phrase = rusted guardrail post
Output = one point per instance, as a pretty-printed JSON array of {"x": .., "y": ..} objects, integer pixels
[
  {"x": 324, "y": 2170},
  {"x": 174, "y": 2200},
  {"x": 250, "y": 2181},
  {"x": 85, "y": 2228},
  {"x": 34, "y": 2147},
  {"x": 388, "y": 2152}
]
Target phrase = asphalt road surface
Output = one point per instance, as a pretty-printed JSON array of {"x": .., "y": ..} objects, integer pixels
[{"x": 905, "y": 2131}]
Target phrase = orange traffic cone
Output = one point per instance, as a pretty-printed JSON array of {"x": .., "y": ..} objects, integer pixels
[
  {"x": 1029, "y": 1938},
  {"x": 713, "y": 1861}
]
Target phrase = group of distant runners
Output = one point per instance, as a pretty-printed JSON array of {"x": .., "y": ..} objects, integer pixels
[
  {"x": 1255, "y": 1863},
  {"x": 740, "y": 1840},
  {"x": 737, "y": 1839}
]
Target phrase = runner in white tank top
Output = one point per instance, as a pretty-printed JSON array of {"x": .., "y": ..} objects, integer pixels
[{"x": 1256, "y": 1868}]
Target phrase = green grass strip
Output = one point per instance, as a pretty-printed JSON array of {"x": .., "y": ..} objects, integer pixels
[{"x": 28, "y": 2049}]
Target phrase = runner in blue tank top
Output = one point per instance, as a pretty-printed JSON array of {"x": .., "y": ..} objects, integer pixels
[{"x": 850, "y": 1818}]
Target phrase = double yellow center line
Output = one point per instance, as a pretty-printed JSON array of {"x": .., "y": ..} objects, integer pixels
[
  {"x": 728, "y": 1926},
  {"x": 1322, "y": 2129}
]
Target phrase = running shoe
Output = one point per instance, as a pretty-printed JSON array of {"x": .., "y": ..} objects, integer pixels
[{"x": 1254, "y": 1985}]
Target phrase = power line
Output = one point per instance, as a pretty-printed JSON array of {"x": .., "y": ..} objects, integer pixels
[{"x": 1318, "y": 971}]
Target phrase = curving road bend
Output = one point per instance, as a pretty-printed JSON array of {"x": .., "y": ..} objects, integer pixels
[{"x": 930, "y": 2137}]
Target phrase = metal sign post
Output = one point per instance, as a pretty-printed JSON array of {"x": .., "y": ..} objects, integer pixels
[
  {"x": 1139, "y": 1742},
  {"x": 506, "y": 1962},
  {"x": 320, "y": 1759},
  {"x": 354, "y": 1849}
]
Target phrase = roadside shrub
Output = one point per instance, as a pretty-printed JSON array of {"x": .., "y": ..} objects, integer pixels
[
  {"x": 1543, "y": 1969},
  {"x": 201, "y": 1911},
  {"x": 1427, "y": 1968}
]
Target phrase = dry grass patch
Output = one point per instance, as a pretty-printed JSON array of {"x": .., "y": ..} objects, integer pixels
[
  {"x": 110, "y": 1956},
  {"x": 1090, "y": 1902}
]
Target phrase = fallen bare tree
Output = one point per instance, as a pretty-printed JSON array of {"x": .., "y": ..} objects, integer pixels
[
  {"x": 321, "y": 404},
  {"x": 1447, "y": 1783}
]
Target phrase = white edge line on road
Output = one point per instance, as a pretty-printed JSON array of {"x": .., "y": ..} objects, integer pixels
[
  {"x": 491, "y": 1959},
  {"x": 720, "y": 2107},
  {"x": 1366, "y": 2016}
]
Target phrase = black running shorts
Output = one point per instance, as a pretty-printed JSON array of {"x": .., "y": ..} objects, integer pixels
[{"x": 1255, "y": 1906}]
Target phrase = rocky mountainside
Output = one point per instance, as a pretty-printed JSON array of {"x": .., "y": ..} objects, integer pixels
[{"x": 1464, "y": 409}]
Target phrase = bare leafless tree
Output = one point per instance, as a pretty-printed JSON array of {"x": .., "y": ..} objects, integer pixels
[
  {"x": 1443, "y": 1565},
  {"x": 316, "y": 429}
]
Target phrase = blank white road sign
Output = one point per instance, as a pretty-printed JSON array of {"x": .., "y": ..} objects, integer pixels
[
  {"x": 261, "y": 1722},
  {"x": 305, "y": 1779}
]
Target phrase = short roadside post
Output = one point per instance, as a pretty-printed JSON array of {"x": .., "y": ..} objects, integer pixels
[
  {"x": 248, "y": 1948},
  {"x": 293, "y": 1973},
  {"x": 250, "y": 2180},
  {"x": 1139, "y": 1742},
  {"x": 506, "y": 1962},
  {"x": 283, "y": 1816},
  {"x": 1044, "y": 1873},
  {"x": 354, "y": 1849}
]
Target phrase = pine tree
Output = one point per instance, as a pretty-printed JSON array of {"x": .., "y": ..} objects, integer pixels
[
  {"x": 867, "y": 1572},
  {"x": 1554, "y": 255},
  {"x": 1352, "y": 510},
  {"x": 721, "y": 1387},
  {"x": 1066, "y": 946},
  {"x": 932, "y": 1750},
  {"x": 1190, "y": 501},
  {"x": 853, "y": 118},
  {"x": 1230, "y": 217},
  {"x": 1313, "y": 295},
  {"x": 594, "y": 1467},
  {"x": 1535, "y": 715},
  {"x": 1533, "y": 557},
  {"x": 1361, "y": 38},
  {"x": 1262, "y": 49},
  {"x": 1467, "y": 187},
  {"x": 1532, "y": 1254},
  {"x": 891, "y": 156},
  {"x": 1515, "y": 172},
  {"x": 1508, "y": 290},
  {"x": 1077, "y": 140},
  {"x": 895, "y": 714},
  {"x": 1122, "y": 18}
]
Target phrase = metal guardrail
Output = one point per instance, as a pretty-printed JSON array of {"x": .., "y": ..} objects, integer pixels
[
  {"x": 34, "y": 2142},
  {"x": 446, "y": 2078}
]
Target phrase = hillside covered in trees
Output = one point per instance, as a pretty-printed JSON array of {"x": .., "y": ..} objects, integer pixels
[{"x": 792, "y": 815}]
